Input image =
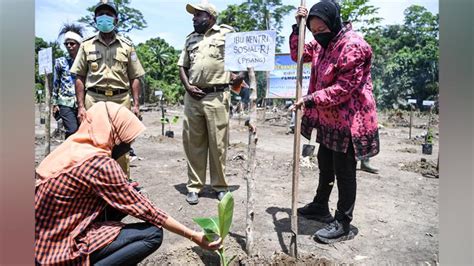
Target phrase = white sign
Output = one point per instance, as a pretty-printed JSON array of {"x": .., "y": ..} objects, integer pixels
[
  {"x": 428, "y": 103},
  {"x": 45, "y": 61},
  {"x": 158, "y": 93},
  {"x": 412, "y": 101},
  {"x": 250, "y": 49},
  {"x": 40, "y": 91}
]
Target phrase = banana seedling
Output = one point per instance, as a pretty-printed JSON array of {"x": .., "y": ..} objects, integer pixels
[{"x": 215, "y": 227}]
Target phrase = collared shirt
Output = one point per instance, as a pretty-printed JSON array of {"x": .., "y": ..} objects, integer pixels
[
  {"x": 64, "y": 92},
  {"x": 203, "y": 56},
  {"x": 66, "y": 206},
  {"x": 107, "y": 66}
]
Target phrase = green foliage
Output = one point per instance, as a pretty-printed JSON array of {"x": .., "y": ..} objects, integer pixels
[
  {"x": 129, "y": 18},
  {"x": 405, "y": 59},
  {"x": 159, "y": 60},
  {"x": 359, "y": 11},
  {"x": 219, "y": 226}
]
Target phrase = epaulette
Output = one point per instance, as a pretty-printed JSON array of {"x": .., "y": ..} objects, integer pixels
[
  {"x": 88, "y": 39},
  {"x": 125, "y": 40},
  {"x": 225, "y": 26}
]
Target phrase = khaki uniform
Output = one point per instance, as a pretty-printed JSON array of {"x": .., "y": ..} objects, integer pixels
[
  {"x": 108, "y": 70},
  {"x": 205, "y": 125}
]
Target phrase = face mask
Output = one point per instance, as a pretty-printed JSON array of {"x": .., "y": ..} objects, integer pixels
[
  {"x": 119, "y": 150},
  {"x": 201, "y": 27},
  {"x": 105, "y": 23},
  {"x": 324, "y": 38}
]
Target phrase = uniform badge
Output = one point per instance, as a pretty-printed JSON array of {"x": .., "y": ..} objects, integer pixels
[
  {"x": 94, "y": 66},
  {"x": 133, "y": 56}
]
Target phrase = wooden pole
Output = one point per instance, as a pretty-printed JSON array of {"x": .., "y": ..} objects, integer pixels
[
  {"x": 48, "y": 114},
  {"x": 251, "y": 162},
  {"x": 411, "y": 120},
  {"x": 296, "y": 147}
]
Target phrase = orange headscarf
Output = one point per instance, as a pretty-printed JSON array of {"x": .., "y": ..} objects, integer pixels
[{"x": 107, "y": 124}]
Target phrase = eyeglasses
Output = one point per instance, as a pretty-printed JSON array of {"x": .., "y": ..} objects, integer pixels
[{"x": 69, "y": 43}]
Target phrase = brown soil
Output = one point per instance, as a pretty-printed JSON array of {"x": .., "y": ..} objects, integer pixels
[{"x": 396, "y": 210}]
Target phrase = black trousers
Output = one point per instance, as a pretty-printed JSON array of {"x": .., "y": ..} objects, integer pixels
[
  {"x": 134, "y": 243},
  {"x": 342, "y": 167},
  {"x": 69, "y": 116}
]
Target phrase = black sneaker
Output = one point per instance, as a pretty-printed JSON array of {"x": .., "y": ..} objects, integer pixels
[
  {"x": 314, "y": 212},
  {"x": 334, "y": 232}
]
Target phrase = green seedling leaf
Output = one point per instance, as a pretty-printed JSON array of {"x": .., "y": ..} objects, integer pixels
[
  {"x": 164, "y": 120},
  {"x": 175, "y": 119},
  {"x": 209, "y": 225},
  {"x": 225, "y": 211}
]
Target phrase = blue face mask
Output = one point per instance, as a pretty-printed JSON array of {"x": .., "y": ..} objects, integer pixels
[{"x": 105, "y": 23}]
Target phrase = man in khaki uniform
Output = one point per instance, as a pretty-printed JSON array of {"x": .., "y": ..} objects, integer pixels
[
  {"x": 207, "y": 99},
  {"x": 106, "y": 68}
]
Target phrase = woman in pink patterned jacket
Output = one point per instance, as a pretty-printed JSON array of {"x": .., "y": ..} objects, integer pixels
[{"x": 341, "y": 106}]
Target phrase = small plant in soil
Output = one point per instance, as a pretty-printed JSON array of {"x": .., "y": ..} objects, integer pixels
[{"x": 215, "y": 227}]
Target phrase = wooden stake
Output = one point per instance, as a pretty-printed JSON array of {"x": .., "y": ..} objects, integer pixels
[
  {"x": 48, "y": 114},
  {"x": 252, "y": 163},
  {"x": 411, "y": 120},
  {"x": 296, "y": 147}
]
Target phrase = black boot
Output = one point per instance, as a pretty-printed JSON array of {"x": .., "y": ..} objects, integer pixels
[
  {"x": 365, "y": 166},
  {"x": 317, "y": 212}
]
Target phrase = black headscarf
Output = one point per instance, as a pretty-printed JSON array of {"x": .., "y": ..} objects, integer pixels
[{"x": 329, "y": 12}]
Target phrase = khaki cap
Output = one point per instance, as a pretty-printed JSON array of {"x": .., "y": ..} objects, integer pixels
[{"x": 209, "y": 8}]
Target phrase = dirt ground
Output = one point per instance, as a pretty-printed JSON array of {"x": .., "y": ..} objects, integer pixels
[{"x": 396, "y": 211}]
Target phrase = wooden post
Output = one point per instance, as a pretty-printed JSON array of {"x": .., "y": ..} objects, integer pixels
[
  {"x": 47, "y": 110},
  {"x": 411, "y": 120},
  {"x": 296, "y": 147},
  {"x": 251, "y": 162}
]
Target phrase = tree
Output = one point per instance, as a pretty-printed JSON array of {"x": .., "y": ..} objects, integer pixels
[
  {"x": 405, "y": 61},
  {"x": 359, "y": 11},
  {"x": 159, "y": 60},
  {"x": 129, "y": 18}
]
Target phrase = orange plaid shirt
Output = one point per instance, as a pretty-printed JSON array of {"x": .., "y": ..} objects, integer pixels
[{"x": 66, "y": 206}]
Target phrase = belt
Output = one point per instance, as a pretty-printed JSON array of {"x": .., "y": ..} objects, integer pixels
[
  {"x": 216, "y": 88},
  {"x": 107, "y": 92}
]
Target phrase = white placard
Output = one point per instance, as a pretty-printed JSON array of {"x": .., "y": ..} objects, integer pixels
[
  {"x": 250, "y": 49},
  {"x": 428, "y": 103},
  {"x": 411, "y": 100},
  {"x": 40, "y": 91},
  {"x": 158, "y": 93},
  {"x": 45, "y": 61}
]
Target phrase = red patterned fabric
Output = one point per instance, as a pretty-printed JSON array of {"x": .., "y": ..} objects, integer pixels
[
  {"x": 66, "y": 206},
  {"x": 339, "y": 102}
]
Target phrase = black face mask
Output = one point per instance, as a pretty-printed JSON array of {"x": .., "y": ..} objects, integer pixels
[
  {"x": 324, "y": 38},
  {"x": 201, "y": 27},
  {"x": 119, "y": 150}
]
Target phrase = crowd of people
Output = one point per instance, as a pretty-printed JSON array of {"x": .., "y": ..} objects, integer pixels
[{"x": 83, "y": 188}]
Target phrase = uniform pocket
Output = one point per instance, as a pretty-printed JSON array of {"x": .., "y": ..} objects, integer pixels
[
  {"x": 94, "y": 61},
  {"x": 192, "y": 51},
  {"x": 120, "y": 62},
  {"x": 217, "y": 49}
]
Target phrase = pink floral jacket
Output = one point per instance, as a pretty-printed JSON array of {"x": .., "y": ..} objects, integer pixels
[{"x": 339, "y": 102}]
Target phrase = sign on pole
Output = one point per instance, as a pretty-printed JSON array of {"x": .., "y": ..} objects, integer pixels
[
  {"x": 254, "y": 49},
  {"x": 281, "y": 81},
  {"x": 428, "y": 103},
  {"x": 412, "y": 101},
  {"x": 45, "y": 61}
]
